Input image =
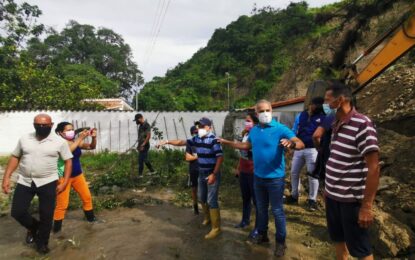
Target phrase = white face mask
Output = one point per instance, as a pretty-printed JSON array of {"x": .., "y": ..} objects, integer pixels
[
  {"x": 327, "y": 109},
  {"x": 202, "y": 132},
  {"x": 265, "y": 117}
]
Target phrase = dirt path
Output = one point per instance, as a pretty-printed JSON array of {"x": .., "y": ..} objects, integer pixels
[{"x": 156, "y": 229}]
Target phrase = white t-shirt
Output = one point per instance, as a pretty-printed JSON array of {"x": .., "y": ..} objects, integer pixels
[{"x": 39, "y": 159}]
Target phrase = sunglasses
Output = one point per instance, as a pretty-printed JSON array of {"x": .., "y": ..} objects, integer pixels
[{"x": 42, "y": 125}]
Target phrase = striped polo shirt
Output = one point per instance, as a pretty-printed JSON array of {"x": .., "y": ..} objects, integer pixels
[
  {"x": 346, "y": 169},
  {"x": 208, "y": 150}
]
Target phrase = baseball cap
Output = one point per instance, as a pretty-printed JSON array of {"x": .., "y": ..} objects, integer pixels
[{"x": 205, "y": 121}]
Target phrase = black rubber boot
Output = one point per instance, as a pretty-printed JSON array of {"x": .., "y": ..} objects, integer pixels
[
  {"x": 89, "y": 215},
  {"x": 195, "y": 209},
  {"x": 57, "y": 226}
]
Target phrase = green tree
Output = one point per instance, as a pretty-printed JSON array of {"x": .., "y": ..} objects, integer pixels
[{"x": 100, "y": 48}]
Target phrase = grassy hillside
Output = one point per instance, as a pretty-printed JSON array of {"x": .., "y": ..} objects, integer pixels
[{"x": 258, "y": 51}]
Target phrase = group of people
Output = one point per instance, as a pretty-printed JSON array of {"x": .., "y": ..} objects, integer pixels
[
  {"x": 333, "y": 140},
  {"x": 48, "y": 166},
  {"x": 337, "y": 144}
]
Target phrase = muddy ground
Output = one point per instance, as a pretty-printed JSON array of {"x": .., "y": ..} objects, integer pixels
[{"x": 152, "y": 227}]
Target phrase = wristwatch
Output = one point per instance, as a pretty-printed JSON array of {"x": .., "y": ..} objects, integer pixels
[{"x": 293, "y": 144}]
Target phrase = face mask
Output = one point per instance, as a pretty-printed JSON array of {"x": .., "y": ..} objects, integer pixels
[
  {"x": 327, "y": 109},
  {"x": 202, "y": 132},
  {"x": 248, "y": 125},
  {"x": 69, "y": 135},
  {"x": 43, "y": 131},
  {"x": 265, "y": 117}
]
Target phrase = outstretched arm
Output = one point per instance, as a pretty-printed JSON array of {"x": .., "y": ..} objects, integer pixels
[
  {"x": 237, "y": 145},
  {"x": 172, "y": 142}
]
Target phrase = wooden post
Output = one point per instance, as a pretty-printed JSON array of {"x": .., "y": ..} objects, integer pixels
[
  {"x": 119, "y": 135},
  {"x": 110, "y": 136},
  {"x": 184, "y": 128},
  {"x": 165, "y": 126},
  {"x": 129, "y": 143},
  {"x": 175, "y": 129},
  {"x": 99, "y": 133}
]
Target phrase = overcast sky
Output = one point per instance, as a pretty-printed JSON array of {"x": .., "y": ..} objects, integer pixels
[{"x": 187, "y": 25}]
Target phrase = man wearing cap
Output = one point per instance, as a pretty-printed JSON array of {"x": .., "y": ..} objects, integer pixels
[
  {"x": 144, "y": 135},
  {"x": 267, "y": 141},
  {"x": 210, "y": 157},
  {"x": 36, "y": 156}
]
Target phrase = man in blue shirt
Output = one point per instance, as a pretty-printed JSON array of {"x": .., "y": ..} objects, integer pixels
[{"x": 267, "y": 141}]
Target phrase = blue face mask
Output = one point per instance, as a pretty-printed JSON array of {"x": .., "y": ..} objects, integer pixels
[{"x": 327, "y": 109}]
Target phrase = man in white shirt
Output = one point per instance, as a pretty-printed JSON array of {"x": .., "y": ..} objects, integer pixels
[{"x": 36, "y": 155}]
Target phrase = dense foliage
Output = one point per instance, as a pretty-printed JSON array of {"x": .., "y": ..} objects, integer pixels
[
  {"x": 44, "y": 69},
  {"x": 255, "y": 50}
]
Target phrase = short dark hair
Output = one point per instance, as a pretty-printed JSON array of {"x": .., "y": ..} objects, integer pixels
[
  {"x": 61, "y": 126},
  {"x": 254, "y": 118},
  {"x": 317, "y": 101},
  {"x": 340, "y": 89}
]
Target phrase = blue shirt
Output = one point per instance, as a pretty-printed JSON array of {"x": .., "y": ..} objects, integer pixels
[
  {"x": 76, "y": 162},
  {"x": 296, "y": 123},
  {"x": 267, "y": 153},
  {"x": 306, "y": 127},
  {"x": 208, "y": 150},
  {"x": 191, "y": 149}
]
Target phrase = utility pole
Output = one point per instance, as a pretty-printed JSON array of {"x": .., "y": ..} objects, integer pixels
[
  {"x": 229, "y": 103},
  {"x": 136, "y": 100}
]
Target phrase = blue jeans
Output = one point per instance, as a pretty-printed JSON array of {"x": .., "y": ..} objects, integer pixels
[
  {"x": 246, "y": 183},
  {"x": 208, "y": 193},
  {"x": 270, "y": 191},
  {"x": 142, "y": 159}
]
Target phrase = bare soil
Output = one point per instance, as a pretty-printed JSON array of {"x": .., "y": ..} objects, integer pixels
[{"x": 154, "y": 228}]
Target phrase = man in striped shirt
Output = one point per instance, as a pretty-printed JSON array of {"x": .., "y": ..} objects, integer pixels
[
  {"x": 352, "y": 176},
  {"x": 209, "y": 157}
]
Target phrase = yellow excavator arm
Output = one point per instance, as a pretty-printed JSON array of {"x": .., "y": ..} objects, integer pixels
[{"x": 402, "y": 41}]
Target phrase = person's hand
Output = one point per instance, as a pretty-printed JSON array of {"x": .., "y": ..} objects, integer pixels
[
  {"x": 6, "y": 186},
  {"x": 161, "y": 143},
  {"x": 94, "y": 132},
  {"x": 286, "y": 143},
  {"x": 211, "y": 179},
  {"x": 221, "y": 140},
  {"x": 141, "y": 148},
  {"x": 365, "y": 217},
  {"x": 236, "y": 172},
  {"x": 84, "y": 134},
  {"x": 61, "y": 187}
]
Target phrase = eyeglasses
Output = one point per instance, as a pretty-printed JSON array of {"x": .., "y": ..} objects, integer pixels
[{"x": 42, "y": 125}]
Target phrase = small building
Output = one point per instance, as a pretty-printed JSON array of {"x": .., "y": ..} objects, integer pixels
[{"x": 117, "y": 104}]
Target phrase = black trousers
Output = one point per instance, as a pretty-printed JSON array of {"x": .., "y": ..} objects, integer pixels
[
  {"x": 22, "y": 198},
  {"x": 142, "y": 159}
]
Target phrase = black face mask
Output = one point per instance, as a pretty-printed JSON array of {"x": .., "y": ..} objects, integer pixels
[{"x": 43, "y": 131}]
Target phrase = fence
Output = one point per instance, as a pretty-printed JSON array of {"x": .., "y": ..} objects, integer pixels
[{"x": 116, "y": 130}]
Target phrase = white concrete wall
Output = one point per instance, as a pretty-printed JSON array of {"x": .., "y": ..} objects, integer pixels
[{"x": 116, "y": 130}]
